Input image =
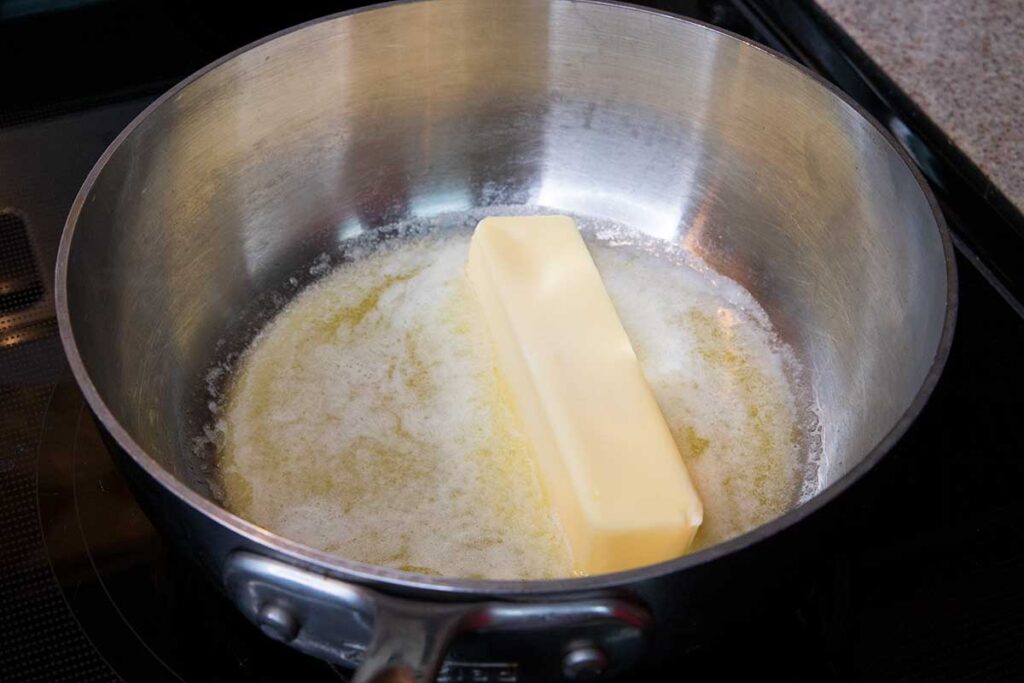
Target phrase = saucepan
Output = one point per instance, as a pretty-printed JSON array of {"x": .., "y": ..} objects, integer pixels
[{"x": 407, "y": 111}]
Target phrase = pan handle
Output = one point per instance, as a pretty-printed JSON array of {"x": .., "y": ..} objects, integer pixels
[{"x": 408, "y": 639}]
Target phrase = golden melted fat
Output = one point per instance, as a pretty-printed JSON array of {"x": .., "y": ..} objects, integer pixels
[{"x": 368, "y": 420}]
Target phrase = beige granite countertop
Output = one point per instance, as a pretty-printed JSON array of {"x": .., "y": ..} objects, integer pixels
[{"x": 962, "y": 62}]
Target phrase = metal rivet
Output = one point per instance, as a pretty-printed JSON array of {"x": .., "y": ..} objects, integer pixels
[
  {"x": 584, "y": 663},
  {"x": 278, "y": 623}
]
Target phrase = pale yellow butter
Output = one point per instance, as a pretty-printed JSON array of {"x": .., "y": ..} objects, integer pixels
[{"x": 604, "y": 452}]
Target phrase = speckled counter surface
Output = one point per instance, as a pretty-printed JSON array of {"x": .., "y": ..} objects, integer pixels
[{"x": 962, "y": 62}]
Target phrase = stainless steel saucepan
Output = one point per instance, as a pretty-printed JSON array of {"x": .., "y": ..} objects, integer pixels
[{"x": 292, "y": 146}]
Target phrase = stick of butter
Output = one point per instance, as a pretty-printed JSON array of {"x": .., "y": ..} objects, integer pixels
[{"x": 605, "y": 455}]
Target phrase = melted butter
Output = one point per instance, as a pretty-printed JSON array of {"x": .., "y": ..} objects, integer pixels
[{"x": 368, "y": 418}]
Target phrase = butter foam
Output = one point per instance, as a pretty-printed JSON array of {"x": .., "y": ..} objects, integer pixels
[{"x": 367, "y": 420}]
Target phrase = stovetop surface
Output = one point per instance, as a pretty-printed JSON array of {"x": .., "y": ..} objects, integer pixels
[{"x": 919, "y": 576}]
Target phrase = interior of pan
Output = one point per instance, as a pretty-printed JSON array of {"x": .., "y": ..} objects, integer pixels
[{"x": 188, "y": 231}]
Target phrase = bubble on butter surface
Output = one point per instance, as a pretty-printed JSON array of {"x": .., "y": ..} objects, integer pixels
[{"x": 367, "y": 418}]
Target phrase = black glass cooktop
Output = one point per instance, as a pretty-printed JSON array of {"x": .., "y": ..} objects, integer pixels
[{"x": 918, "y": 577}]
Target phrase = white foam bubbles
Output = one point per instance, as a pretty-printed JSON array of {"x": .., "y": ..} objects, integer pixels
[{"x": 367, "y": 419}]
